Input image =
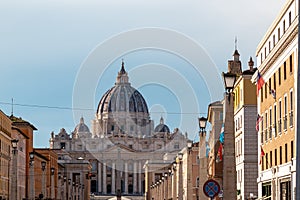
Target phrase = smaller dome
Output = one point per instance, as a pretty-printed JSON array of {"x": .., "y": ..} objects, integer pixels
[
  {"x": 81, "y": 129},
  {"x": 162, "y": 128}
]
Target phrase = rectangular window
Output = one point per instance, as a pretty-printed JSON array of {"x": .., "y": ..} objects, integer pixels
[
  {"x": 266, "y": 90},
  {"x": 285, "y": 105},
  {"x": 265, "y": 52},
  {"x": 291, "y": 118},
  {"x": 285, "y": 152},
  {"x": 266, "y": 131},
  {"x": 271, "y": 164},
  {"x": 275, "y": 157},
  {"x": 291, "y": 63},
  {"x": 290, "y": 18},
  {"x": 292, "y": 150},
  {"x": 283, "y": 26},
  {"x": 269, "y": 46},
  {"x": 261, "y": 57},
  {"x": 270, "y": 125},
  {"x": 262, "y": 94},
  {"x": 267, "y": 163},
  {"x": 275, "y": 120},
  {"x": 112, "y": 127},
  {"x": 279, "y": 76},
  {"x": 284, "y": 70},
  {"x": 274, "y": 81},
  {"x": 278, "y": 30},
  {"x": 280, "y": 155},
  {"x": 274, "y": 42}
]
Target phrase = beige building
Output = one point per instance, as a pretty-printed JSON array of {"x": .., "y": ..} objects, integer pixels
[
  {"x": 245, "y": 115},
  {"x": 5, "y": 150},
  {"x": 122, "y": 139},
  {"x": 214, "y": 168},
  {"x": 277, "y": 63},
  {"x": 21, "y": 162}
]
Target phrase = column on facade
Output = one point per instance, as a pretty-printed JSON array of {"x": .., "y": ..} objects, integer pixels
[
  {"x": 134, "y": 177},
  {"x": 104, "y": 178},
  {"x": 99, "y": 177},
  {"x": 126, "y": 178},
  {"x": 113, "y": 177},
  {"x": 140, "y": 177}
]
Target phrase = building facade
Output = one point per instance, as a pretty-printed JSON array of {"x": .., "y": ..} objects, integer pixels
[
  {"x": 5, "y": 150},
  {"x": 245, "y": 115},
  {"x": 122, "y": 139},
  {"x": 277, "y": 64}
]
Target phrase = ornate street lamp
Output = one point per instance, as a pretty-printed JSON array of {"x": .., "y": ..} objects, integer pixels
[
  {"x": 31, "y": 176},
  {"x": 189, "y": 145},
  {"x": 43, "y": 163},
  {"x": 14, "y": 183},
  {"x": 180, "y": 181},
  {"x": 52, "y": 170},
  {"x": 229, "y": 81},
  {"x": 229, "y": 186},
  {"x": 202, "y": 124}
]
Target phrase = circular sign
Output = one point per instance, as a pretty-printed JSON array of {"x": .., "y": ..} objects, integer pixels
[{"x": 211, "y": 188}]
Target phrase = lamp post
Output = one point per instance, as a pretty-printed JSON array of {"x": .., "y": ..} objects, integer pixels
[
  {"x": 59, "y": 184},
  {"x": 14, "y": 175},
  {"x": 31, "y": 176},
  {"x": 43, "y": 164},
  {"x": 69, "y": 189},
  {"x": 229, "y": 167},
  {"x": 189, "y": 169},
  {"x": 65, "y": 187},
  {"x": 52, "y": 182},
  {"x": 180, "y": 188},
  {"x": 202, "y": 156},
  {"x": 174, "y": 181}
]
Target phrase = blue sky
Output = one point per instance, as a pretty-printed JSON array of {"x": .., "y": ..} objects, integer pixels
[{"x": 45, "y": 46}]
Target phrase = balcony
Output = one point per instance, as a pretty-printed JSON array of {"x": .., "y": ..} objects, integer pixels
[
  {"x": 291, "y": 119},
  {"x": 285, "y": 122},
  {"x": 279, "y": 126}
]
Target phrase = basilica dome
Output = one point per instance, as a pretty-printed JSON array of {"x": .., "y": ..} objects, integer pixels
[
  {"x": 122, "y": 97},
  {"x": 122, "y": 111}
]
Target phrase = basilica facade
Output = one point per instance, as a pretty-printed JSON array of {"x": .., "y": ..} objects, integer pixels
[{"x": 121, "y": 139}]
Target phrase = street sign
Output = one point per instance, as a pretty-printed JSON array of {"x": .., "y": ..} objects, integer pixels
[{"x": 211, "y": 188}]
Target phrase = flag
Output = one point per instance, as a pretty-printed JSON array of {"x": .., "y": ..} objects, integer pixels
[
  {"x": 222, "y": 134},
  {"x": 262, "y": 154},
  {"x": 220, "y": 153},
  {"x": 259, "y": 83},
  {"x": 258, "y": 120}
]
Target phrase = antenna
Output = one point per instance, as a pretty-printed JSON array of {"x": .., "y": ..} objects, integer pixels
[{"x": 12, "y": 106}]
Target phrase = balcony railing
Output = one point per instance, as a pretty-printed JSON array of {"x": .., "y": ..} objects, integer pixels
[
  {"x": 291, "y": 118},
  {"x": 266, "y": 135},
  {"x": 270, "y": 133},
  {"x": 275, "y": 130},
  {"x": 285, "y": 122},
  {"x": 279, "y": 126}
]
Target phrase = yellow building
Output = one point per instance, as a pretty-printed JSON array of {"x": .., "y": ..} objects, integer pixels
[
  {"x": 245, "y": 113},
  {"x": 277, "y": 58},
  {"x": 5, "y": 149}
]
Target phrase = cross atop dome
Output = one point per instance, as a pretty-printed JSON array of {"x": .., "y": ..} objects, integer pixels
[
  {"x": 122, "y": 77},
  {"x": 122, "y": 71}
]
